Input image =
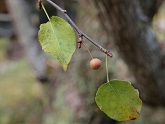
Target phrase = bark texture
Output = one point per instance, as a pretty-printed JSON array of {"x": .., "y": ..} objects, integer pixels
[{"x": 128, "y": 22}]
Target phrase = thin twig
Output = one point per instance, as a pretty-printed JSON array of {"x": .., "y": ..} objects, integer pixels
[
  {"x": 107, "y": 52},
  {"x": 40, "y": 4}
]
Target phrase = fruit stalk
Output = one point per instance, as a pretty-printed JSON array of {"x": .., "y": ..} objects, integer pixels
[{"x": 107, "y": 52}]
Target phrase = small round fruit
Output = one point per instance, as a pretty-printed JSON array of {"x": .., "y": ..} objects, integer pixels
[{"x": 95, "y": 63}]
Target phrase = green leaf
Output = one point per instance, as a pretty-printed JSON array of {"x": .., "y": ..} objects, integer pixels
[
  {"x": 119, "y": 100},
  {"x": 58, "y": 38}
]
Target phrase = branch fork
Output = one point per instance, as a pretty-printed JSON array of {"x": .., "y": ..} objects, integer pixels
[{"x": 81, "y": 34}]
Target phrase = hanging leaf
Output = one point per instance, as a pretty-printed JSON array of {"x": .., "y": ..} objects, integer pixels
[
  {"x": 58, "y": 38},
  {"x": 119, "y": 100}
]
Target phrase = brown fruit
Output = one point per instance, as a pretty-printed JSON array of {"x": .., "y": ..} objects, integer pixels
[{"x": 95, "y": 63}]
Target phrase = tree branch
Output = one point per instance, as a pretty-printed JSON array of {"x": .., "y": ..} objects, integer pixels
[{"x": 81, "y": 34}]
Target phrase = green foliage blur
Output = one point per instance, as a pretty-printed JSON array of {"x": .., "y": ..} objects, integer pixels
[{"x": 20, "y": 94}]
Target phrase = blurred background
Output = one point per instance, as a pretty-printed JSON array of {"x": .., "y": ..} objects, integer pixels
[{"x": 34, "y": 89}]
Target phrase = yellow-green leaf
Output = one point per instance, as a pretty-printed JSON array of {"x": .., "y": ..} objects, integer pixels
[
  {"x": 119, "y": 100},
  {"x": 58, "y": 38}
]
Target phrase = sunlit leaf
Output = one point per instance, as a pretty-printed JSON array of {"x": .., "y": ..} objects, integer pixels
[
  {"x": 119, "y": 100},
  {"x": 58, "y": 38}
]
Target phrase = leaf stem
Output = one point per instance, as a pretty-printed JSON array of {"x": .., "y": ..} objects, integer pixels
[
  {"x": 107, "y": 68},
  {"x": 107, "y": 52},
  {"x": 45, "y": 11}
]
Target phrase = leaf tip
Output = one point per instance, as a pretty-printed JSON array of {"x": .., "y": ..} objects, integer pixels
[{"x": 65, "y": 66}]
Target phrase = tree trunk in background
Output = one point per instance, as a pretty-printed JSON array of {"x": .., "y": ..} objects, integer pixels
[
  {"x": 126, "y": 22},
  {"x": 27, "y": 36}
]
